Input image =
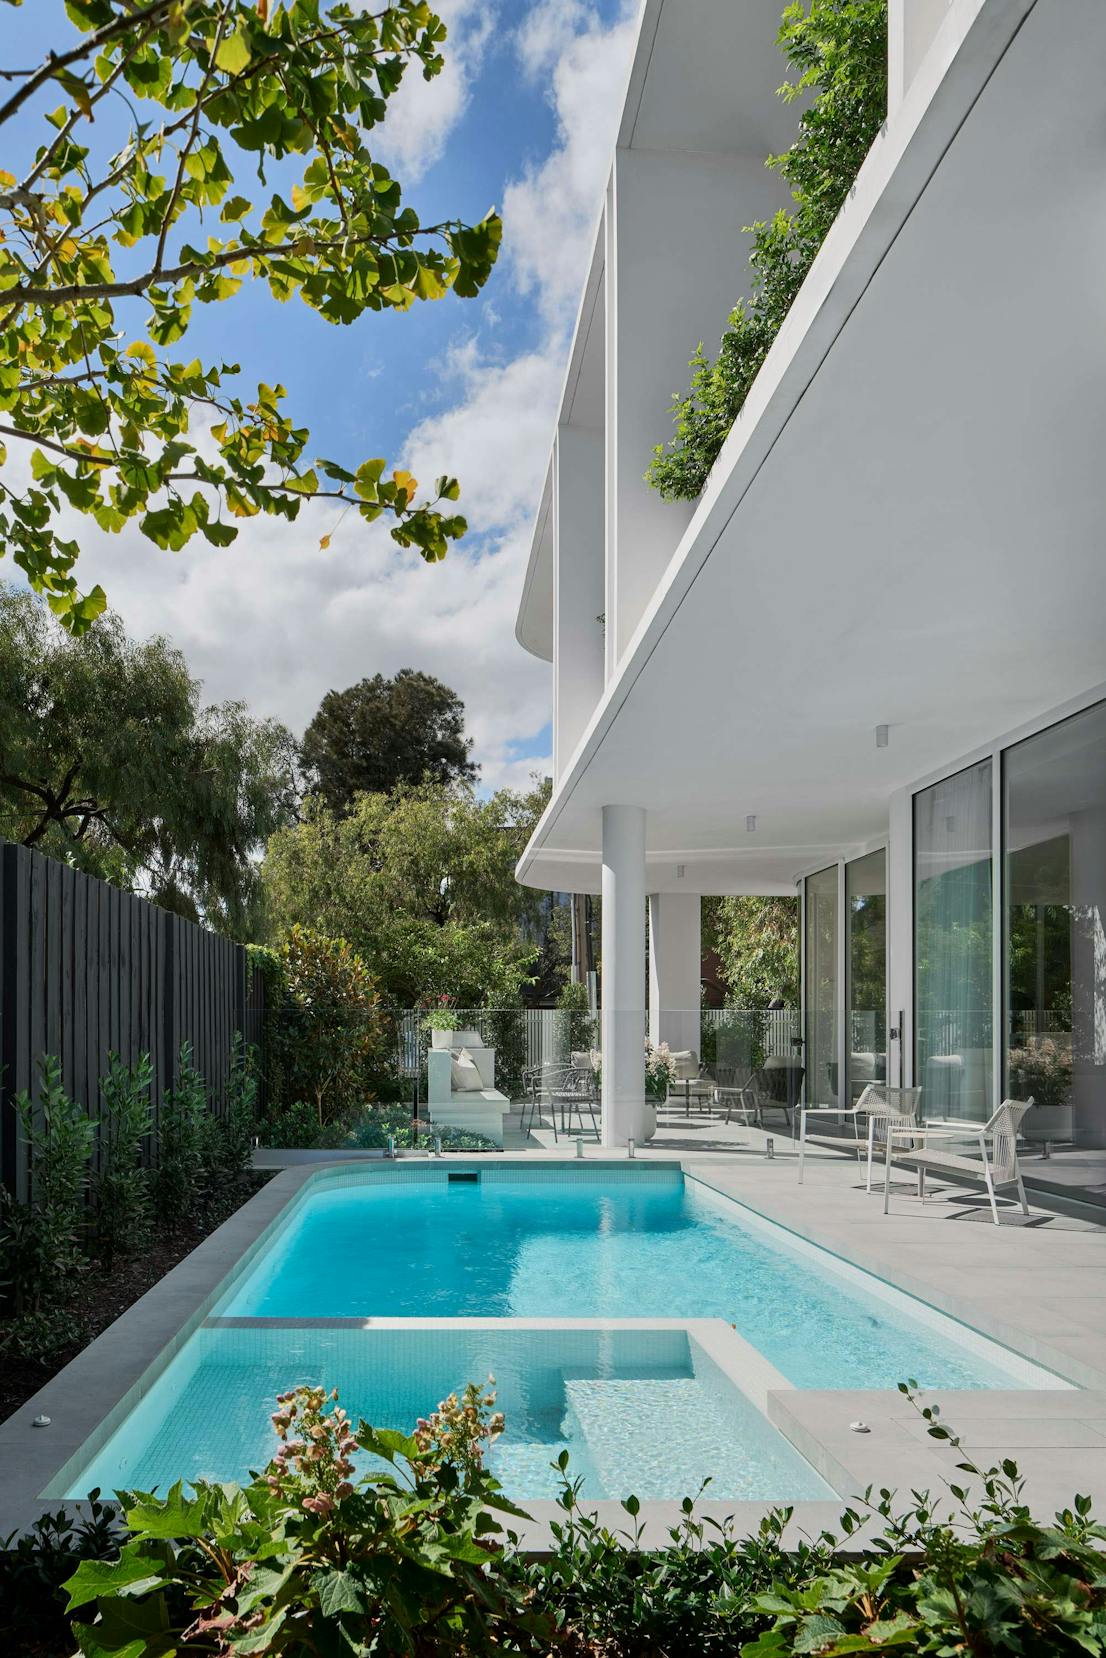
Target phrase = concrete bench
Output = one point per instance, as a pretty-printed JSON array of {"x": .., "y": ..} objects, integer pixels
[{"x": 478, "y": 1111}]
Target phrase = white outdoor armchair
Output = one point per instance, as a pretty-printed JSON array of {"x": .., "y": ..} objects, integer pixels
[{"x": 992, "y": 1158}]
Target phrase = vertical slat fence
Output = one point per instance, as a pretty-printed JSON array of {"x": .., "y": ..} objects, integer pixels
[{"x": 86, "y": 969}]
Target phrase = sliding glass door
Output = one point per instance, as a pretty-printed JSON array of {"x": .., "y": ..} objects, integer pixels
[
  {"x": 953, "y": 945},
  {"x": 821, "y": 992},
  {"x": 866, "y": 973},
  {"x": 1055, "y": 940}
]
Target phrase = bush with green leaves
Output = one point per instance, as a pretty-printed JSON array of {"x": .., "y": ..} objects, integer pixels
[
  {"x": 328, "y": 1031},
  {"x": 36, "y": 1562},
  {"x": 41, "y": 1260},
  {"x": 578, "y": 1028},
  {"x": 226, "y": 1142},
  {"x": 123, "y": 1187},
  {"x": 313, "y": 1557},
  {"x": 180, "y": 1143},
  {"x": 839, "y": 48}
]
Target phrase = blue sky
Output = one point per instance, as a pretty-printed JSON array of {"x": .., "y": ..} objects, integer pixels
[{"x": 522, "y": 118}]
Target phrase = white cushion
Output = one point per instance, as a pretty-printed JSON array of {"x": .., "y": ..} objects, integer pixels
[
  {"x": 465, "y": 1074},
  {"x": 582, "y": 1060}
]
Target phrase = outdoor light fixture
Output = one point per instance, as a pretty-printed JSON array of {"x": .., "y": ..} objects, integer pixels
[
  {"x": 881, "y": 736},
  {"x": 751, "y": 824},
  {"x": 681, "y": 871}
]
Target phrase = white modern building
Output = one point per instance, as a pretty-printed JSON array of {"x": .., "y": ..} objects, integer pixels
[{"x": 868, "y": 665}]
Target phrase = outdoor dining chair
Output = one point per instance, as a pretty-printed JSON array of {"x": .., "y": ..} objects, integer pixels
[{"x": 992, "y": 1158}]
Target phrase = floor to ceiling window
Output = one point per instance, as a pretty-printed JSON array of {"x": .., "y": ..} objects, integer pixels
[
  {"x": 953, "y": 944},
  {"x": 821, "y": 992},
  {"x": 1054, "y": 833},
  {"x": 866, "y": 972}
]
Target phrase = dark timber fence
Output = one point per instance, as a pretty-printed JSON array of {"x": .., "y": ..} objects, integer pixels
[{"x": 86, "y": 969}]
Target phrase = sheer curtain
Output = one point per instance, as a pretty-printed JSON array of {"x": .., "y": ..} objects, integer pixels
[{"x": 953, "y": 924}]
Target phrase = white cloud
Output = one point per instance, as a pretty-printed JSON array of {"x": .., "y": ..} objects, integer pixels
[
  {"x": 276, "y": 621},
  {"x": 423, "y": 114},
  {"x": 550, "y": 213}
]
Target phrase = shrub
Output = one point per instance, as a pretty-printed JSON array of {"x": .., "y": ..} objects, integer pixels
[
  {"x": 122, "y": 1181},
  {"x": 578, "y": 1025},
  {"x": 840, "y": 49},
  {"x": 40, "y": 1255},
  {"x": 226, "y": 1144},
  {"x": 180, "y": 1143},
  {"x": 314, "y": 1558},
  {"x": 328, "y": 1030},
  {"x": 33, "y": 1567}
]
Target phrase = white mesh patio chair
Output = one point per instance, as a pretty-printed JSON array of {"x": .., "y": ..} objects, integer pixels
[
  {"x": 883, "y": 1104},
  {"x": 991, "y": 1160}
]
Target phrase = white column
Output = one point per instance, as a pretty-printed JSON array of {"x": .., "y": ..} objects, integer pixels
[
  {"x": 623, "y": 974},
  {"x": 675, "y": 969}
]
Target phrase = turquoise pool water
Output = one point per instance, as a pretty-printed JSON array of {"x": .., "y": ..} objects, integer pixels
[
  {"x": 644, "y": 1244},
  {"x": 646, "y": 1412},
  {"x": 642, "y": 1410}
]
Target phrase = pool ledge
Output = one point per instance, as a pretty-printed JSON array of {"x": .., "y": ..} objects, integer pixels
[{"x": 87, "y": 1399}]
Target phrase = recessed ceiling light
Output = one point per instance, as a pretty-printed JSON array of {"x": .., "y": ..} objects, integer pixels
[{"x": 881, "y": 736}]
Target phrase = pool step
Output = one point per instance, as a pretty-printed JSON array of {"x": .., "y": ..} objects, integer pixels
[{"x": 642, "y": 1428}]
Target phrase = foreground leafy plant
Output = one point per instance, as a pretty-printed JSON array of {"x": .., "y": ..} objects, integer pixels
[
  {"x": 985, "y": 1579},
  {"x": 91, "y": 234},
  {"x": 311, "y": 1557}
]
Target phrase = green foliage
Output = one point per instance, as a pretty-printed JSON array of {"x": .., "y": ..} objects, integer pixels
[
  {"x": 33, "y": 1566},
  {"x": 839, "y": 48},
  {"x": 109, "y": 761},
  {"x": 383, "y": 1122},
  {"x": 421, "y": 881},
  {"x": 328, "y": 1030},
  {"x": 226, "y": 1139},
  {"x": 107, "y": 237},
  {"x": 314, "y": 1558},
  {"x": 41, "y": 1261},
  {"x": 578, "y": 1025},
  {"x": 123, "y": 1183},
  {"x": 180, "y": 1143},
  {"x": 442, "y": 1016},
  {"x": 383, "y": 732},
  {"x": 757, "y": 942}
]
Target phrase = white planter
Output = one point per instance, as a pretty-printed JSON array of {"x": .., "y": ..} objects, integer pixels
[{"x": 441, "y": 1039}]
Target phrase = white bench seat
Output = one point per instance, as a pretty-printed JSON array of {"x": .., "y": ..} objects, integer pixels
[{"x": 476, "y": 1110}]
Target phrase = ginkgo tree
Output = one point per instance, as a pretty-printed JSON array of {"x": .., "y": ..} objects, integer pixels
[{"x": 245, "y": 159}]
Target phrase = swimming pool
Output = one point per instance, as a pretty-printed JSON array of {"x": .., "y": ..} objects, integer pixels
[
  {"x": 397, "y": 1285},
  {"x": 603, "y": 1243}
]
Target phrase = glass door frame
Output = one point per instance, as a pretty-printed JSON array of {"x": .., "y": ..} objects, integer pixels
[{"x": 842, "y": 1011}]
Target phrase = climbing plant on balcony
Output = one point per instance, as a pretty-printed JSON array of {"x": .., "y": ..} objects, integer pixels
[{"x": 839, "y": 50}]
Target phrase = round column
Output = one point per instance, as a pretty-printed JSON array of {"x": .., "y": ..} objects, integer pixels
[{"x": 623, "y": 965}]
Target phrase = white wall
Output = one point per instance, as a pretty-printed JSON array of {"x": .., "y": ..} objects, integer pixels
[
  {"x": 675, "y": 969},
  {"x": 677, "y": 263},
  {"x": 578, "y": 507}
]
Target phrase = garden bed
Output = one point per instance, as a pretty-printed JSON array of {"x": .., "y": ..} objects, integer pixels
[{"x": 104, "y": 1296}]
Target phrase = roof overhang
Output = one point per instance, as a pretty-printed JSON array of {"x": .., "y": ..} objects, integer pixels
[{"x": 905, "y": 524}]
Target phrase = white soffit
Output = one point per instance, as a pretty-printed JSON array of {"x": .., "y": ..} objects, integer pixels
[{"x": 905, "y": 527}]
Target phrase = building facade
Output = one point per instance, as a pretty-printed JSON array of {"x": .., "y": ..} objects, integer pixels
[{"x": 868, "y": 664}]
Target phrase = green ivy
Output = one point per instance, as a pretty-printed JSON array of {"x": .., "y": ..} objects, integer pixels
[{"x": 839, "y": 48}]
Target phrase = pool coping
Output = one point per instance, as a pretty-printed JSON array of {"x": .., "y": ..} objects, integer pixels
[{"x": 95, "y": 1390}]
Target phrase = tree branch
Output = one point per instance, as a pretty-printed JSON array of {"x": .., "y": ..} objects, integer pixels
[
  {"x": 138, "y": 285},
  {"x": 88, "y": 47}
]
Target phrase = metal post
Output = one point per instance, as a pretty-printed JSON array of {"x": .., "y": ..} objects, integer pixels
[{"x": 630, "y": 1147}]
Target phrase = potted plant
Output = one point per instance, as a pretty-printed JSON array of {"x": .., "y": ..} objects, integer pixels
[
  {"x": 441, "y": 1022},
  {"x": 660, "y": 1071}
]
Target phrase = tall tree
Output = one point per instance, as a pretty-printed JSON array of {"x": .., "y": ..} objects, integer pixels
[
  {"x": 384, "y": 732},
  {"x": 757, "y": 940},
  {"x": 128, "y": 217},
  {"x": 421, "y": 882},
  {"x": 109, "y": 761}
]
